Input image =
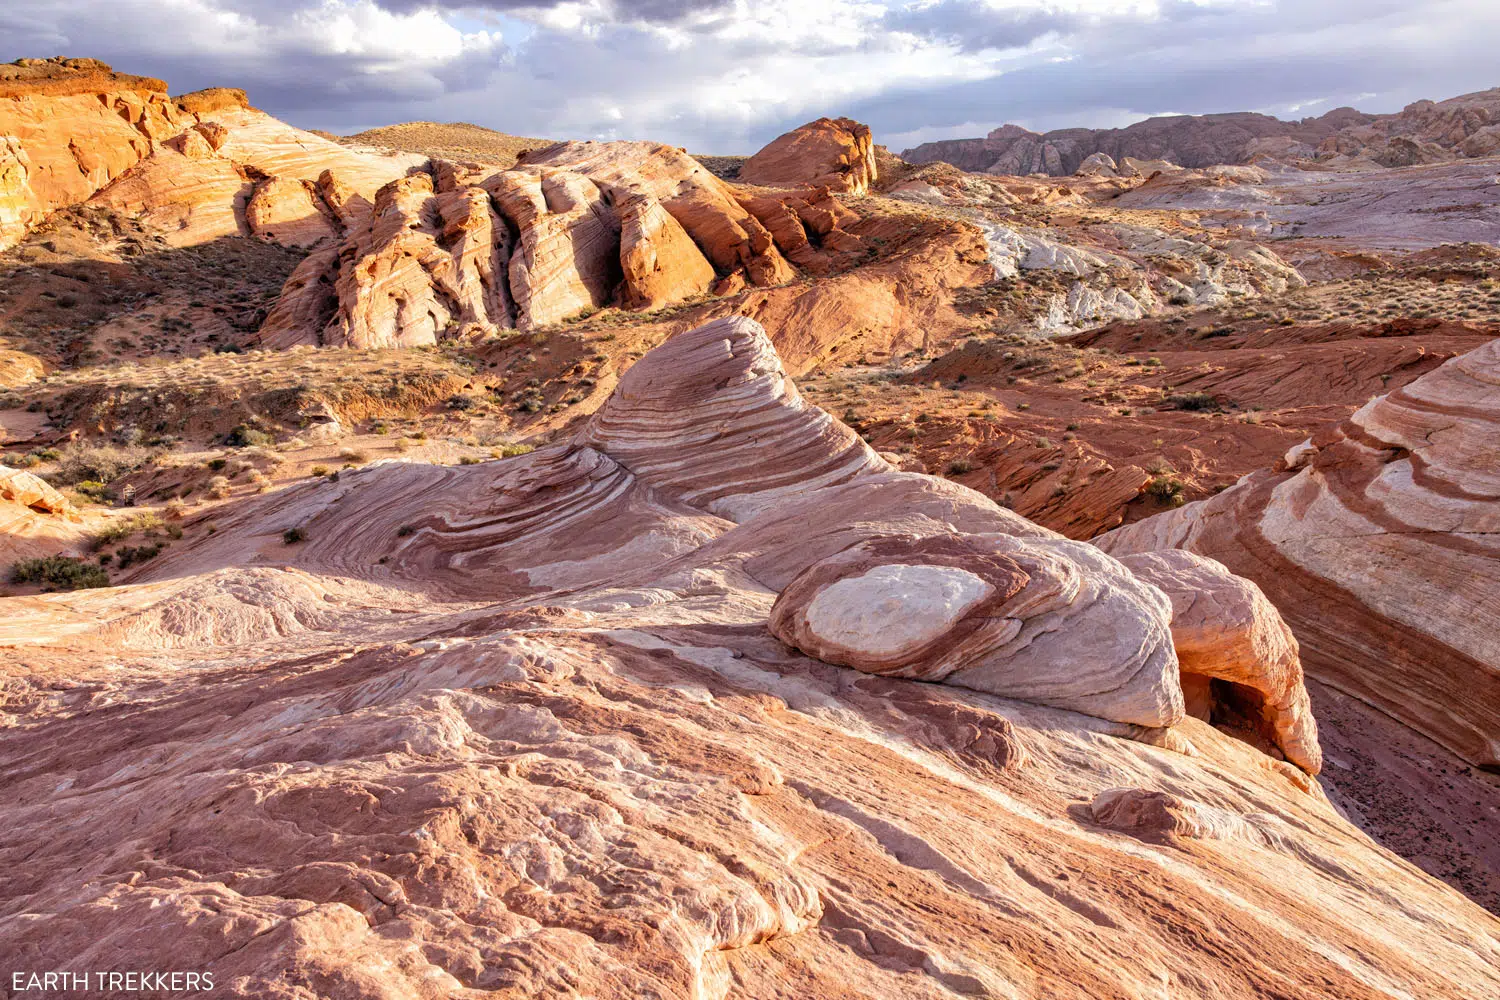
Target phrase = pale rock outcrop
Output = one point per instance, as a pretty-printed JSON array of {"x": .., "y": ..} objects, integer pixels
[
  {"x": 287, "y": 211},
  {"x": 1026, "y": 618},
  {"x": 35, "y": 519},
  {"x": 1380, "y": 549},
  {"x": 462, "y": 251},
  {"x": 1098, "y": 165},
  {"x": 836, "y": 153},
  {"x": 28, "y": 490},
  {"x": 729, "y": 236},
  {"x": 427, "y": 263},
  {"x": 567, "y": 258},
  {"x": 17, "y": 204}
]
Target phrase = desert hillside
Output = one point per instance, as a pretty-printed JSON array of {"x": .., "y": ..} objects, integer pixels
[
  {"x": 453, "y": 141},
  {"x": 439, "y": 563}
]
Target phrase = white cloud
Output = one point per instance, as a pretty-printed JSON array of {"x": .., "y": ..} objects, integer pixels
[{"x": 726, "y": 75}]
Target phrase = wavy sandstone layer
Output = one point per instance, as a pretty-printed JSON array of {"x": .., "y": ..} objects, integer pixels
[
  {"x": 1379, "y": 539},
  {"x": 524, "y": 727}
]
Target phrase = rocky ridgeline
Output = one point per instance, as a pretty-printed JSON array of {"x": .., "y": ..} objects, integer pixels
[
  {"x": 618, "y": 718},
  {"x": 1423, "y": 132}
]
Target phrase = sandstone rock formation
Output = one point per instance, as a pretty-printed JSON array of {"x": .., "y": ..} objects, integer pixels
[
  {"x": 200, "y": 166},
  {"x": 1378, "y": 546},
  {"x": 836, "y": 153},
  {"x": 69, "y": 127},
  {"x": 521, "y": 727},
  {"x": 1235, "y": 652},
  {"x": 454, "y": 251},
  {"x": 1018, "y": 617},
  {"x": 35, "y": 519}
]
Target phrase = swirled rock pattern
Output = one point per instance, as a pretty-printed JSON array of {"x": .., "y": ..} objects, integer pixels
[
  {"x": 1025, "y": 618},
  {"x": 687, "y": 422},
  {"x": 1380, "y": 548},
  {"x": 521, "y": 727}
]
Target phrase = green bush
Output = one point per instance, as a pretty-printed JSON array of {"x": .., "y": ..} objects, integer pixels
[
  {"x": 129, "y": 554},
  {"x": 60, "y": 573},
  {"x": 1166, "y": 490},
  {"x": 245, "y": 436}
]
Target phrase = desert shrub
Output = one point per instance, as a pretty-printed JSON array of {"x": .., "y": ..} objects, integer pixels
[
  {"x": 129, "y": 554},
  {"x": 319, "y": 470},
  {"x": 512, "y": 450},
  {"x": 92, "y": 489},
  {"x": 83, "y": 463},
  {"x": 245, "y": 436},
  {"x": 218, "y": 487},
  {"x": 1193, "y": 401},
  {"x": 60, "y": 573},
  {"x": 1166, "y": 490},
  {"x": 959, "y": 466},
  {"x": 353, "y": 455},
  {"x": 404, "y": 530},
  {"x": 292, "y": 536},
  {"x": 468, "y": 460},
  {"x": 124, "y": 527}
]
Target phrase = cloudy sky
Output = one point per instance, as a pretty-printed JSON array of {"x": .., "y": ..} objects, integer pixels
[{"x": 724, "y": 76}]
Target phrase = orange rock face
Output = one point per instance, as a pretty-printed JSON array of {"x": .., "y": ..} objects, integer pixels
[
  {"x": 576, "y": 226},
  {"x": 836, "y": 153},
  {"x": 73, "y": 145}
]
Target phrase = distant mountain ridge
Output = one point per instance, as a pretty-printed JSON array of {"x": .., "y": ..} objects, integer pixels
[{"x": 1422, "y": 132}]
